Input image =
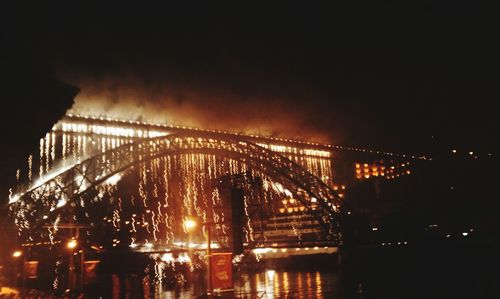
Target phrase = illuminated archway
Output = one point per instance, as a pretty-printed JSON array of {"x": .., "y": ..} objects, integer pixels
[{"x": 43, "y": 200}]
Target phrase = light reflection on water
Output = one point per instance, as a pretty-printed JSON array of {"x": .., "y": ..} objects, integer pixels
[{"x": 272, "y": 284}]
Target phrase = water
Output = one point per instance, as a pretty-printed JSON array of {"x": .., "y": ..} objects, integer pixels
[
  {"x": 271, "y": 283},
  {"x": 458, "y": 270},
  {"x": 461, "y": 270}
]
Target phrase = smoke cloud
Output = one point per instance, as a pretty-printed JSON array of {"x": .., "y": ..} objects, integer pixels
[{"x": 214, "y": 107}]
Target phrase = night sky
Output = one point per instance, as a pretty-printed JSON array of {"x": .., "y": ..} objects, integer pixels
[
  {"x": 403, "y": 77},
  {"x": 418, "y": 78}
]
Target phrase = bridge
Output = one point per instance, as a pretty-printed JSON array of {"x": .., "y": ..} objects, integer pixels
[{"x": 135, "y": 184}]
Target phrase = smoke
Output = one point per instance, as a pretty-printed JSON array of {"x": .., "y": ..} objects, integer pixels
[{"x": 215, "y": 107}]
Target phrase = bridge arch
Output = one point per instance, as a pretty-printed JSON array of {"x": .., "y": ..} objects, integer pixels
[{"x": 78, "y": 179}]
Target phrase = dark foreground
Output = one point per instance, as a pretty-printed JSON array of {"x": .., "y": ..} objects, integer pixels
[{"x": 452, "y": 269}]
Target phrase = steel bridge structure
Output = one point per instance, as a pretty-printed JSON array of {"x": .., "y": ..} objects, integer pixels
[
  {"x": 302, "y": 169},
  {"x": 43, "y": 201}
]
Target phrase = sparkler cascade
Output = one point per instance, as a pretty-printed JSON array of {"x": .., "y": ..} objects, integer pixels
[
  {"x": 135, "y": 185},
  {"x": 144, "y": 207}
]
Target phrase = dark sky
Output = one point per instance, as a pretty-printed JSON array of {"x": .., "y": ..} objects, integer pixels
[
  {"x": 418, "y": 78},
  {"x": 399, "y": 76}
]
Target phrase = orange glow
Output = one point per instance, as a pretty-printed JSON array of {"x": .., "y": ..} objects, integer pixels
[
  {"x": 72, "y": 244},
  {"x": 189, "y": 224}
]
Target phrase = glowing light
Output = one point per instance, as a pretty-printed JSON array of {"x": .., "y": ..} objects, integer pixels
[
  {"x": 168, "y": 258},
  {"x": 17, "y": 253},
  {"x": 61, "y": 203},
  {"x": 270, "y": 274},
  {"x": 261, "y": 250},
  {"x": 14, "y": 198},
  {"x": 189, "y": 224},
  {"x": 113, "y": 180},
  {"x": 184, "y": 258},
  {"x": 72, "y": 244}
]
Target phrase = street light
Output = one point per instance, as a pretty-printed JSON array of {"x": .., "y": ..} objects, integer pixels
[
  {"x": 189, "y": 224},
  {"x": 209, "y": 256},
  {"x": 71, "y": 244},
  {"x": 19, "y": 272}
]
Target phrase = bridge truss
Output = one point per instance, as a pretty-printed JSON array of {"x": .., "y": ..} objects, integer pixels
[{"x": 37, "y": 206}]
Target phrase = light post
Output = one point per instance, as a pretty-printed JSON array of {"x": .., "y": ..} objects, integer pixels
[
  {"x": 71, "y": 245},
  {"x": 189, "y": 224},
  {"x": 82, "y": 269},
  {"x": 19, "y": 272},
  {"x": 209, "y": 254}
]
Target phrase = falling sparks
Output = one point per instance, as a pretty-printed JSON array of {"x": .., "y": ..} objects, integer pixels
[
  {"x": 114, "y": 179},
  {"x": 13, "y": 197},
  {"x": 150, "y": 200},
  {"x": 30, "y": 167},
  {"x": 62, "y": 202}
]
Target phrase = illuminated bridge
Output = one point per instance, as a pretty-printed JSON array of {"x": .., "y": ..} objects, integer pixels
[{"x": 136, "y": 184}]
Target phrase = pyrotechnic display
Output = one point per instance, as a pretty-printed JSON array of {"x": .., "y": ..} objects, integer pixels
[
  {"x": 210, "y": 150},
  {"x": 135, "y": 185},
  {"x": 157, "y": 189},
  {"x": 168, "y": 164}
]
